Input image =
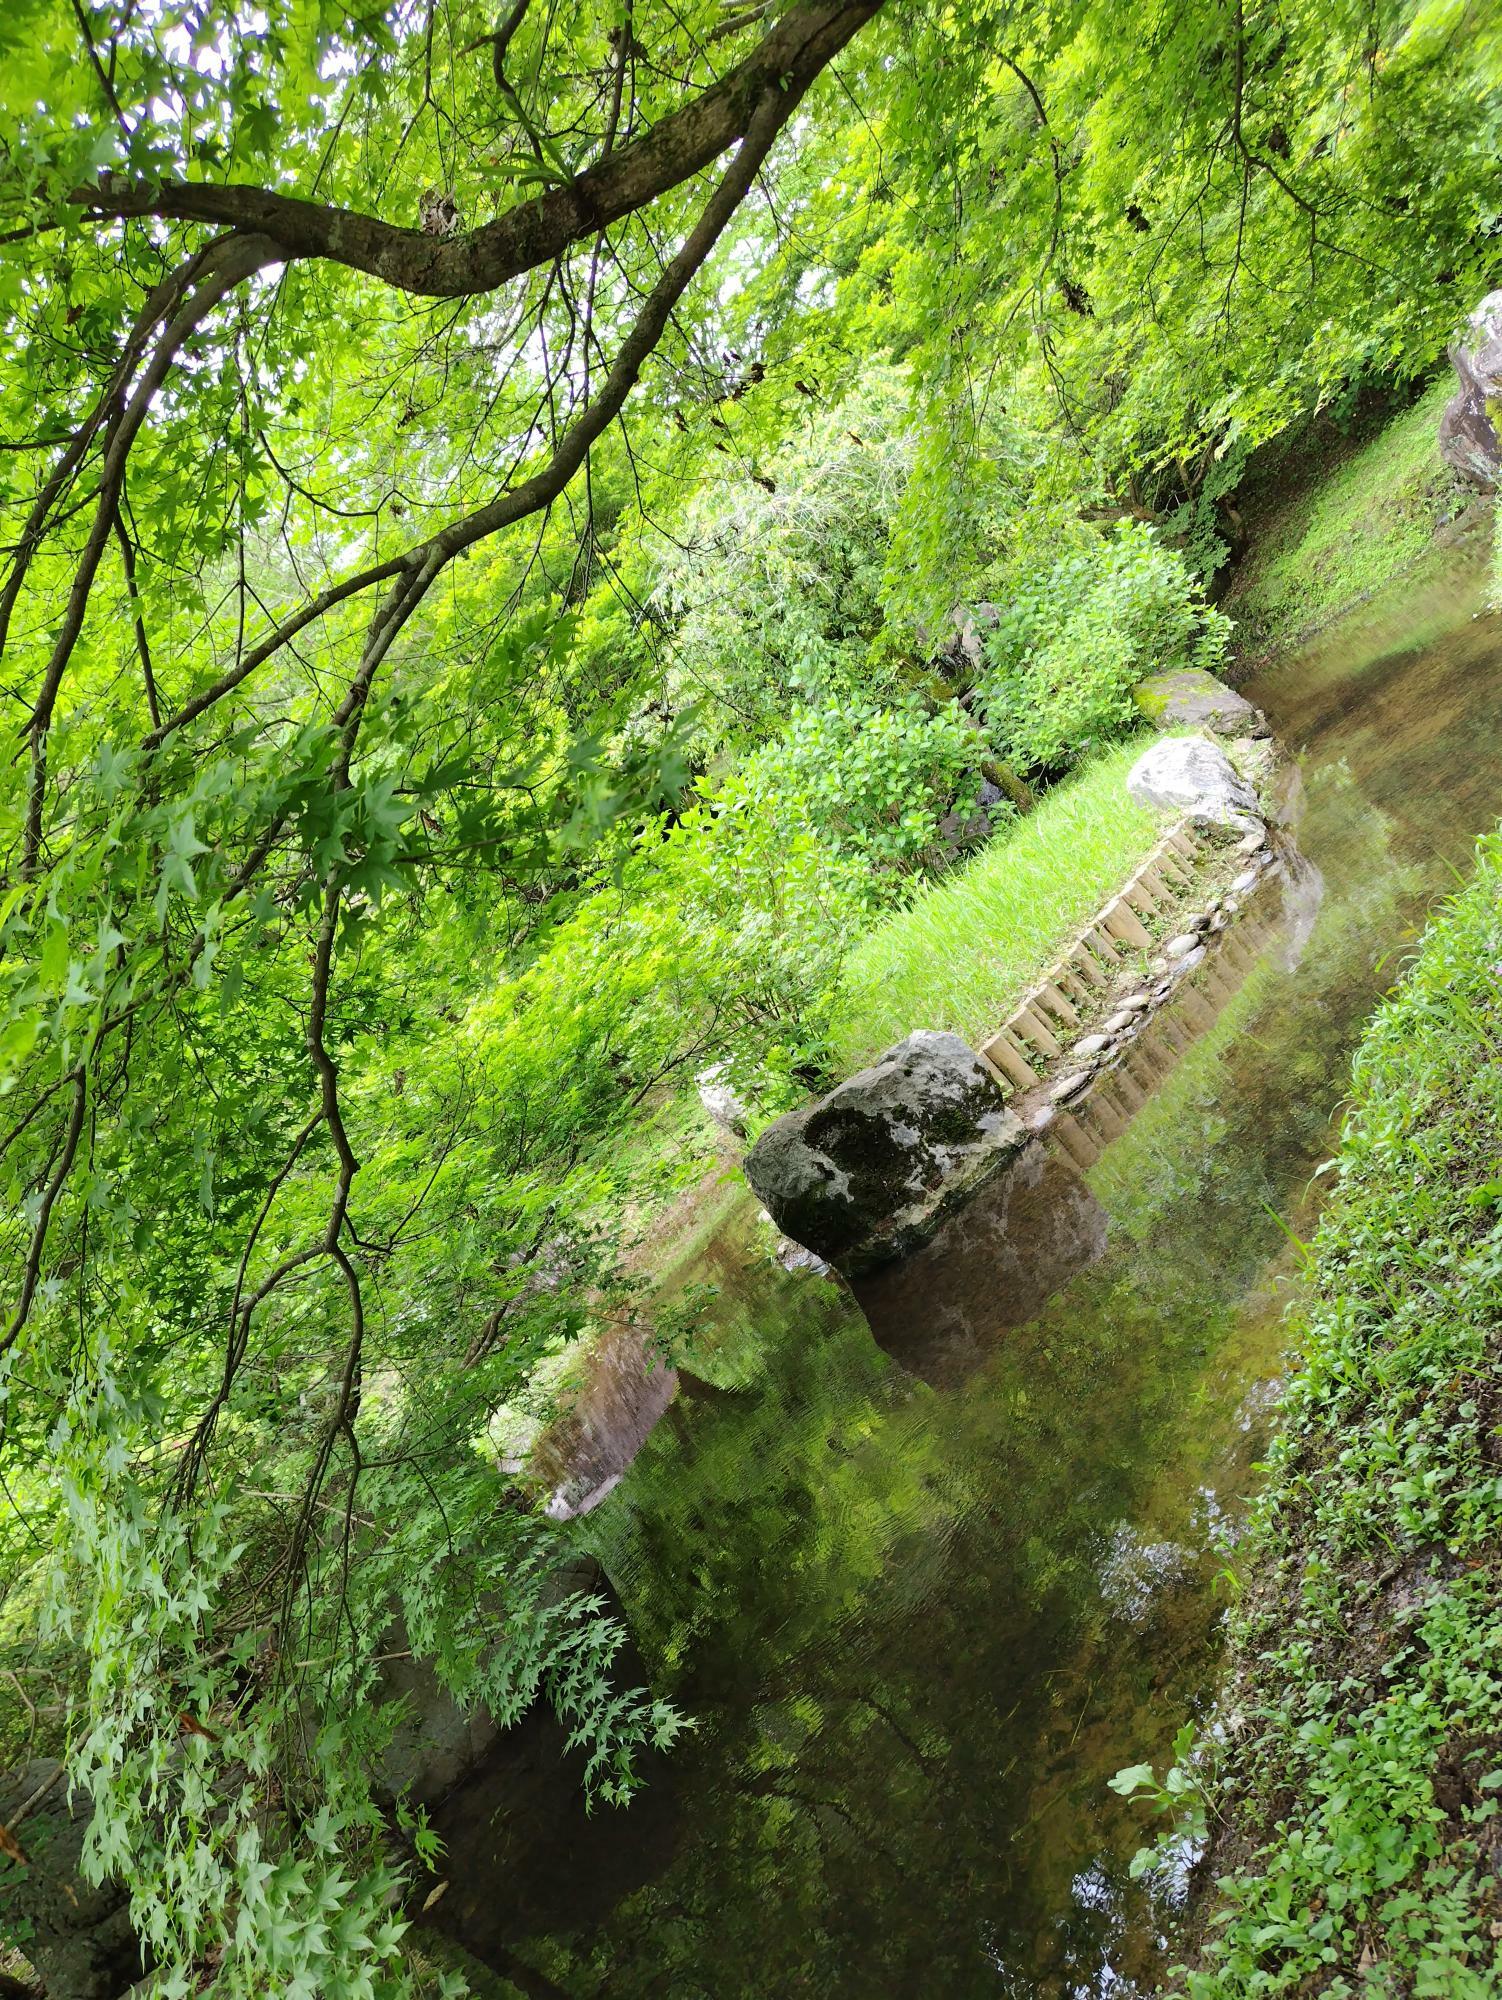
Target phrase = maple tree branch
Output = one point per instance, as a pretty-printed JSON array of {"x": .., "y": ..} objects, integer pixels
[{"x": 680, "y": 145}]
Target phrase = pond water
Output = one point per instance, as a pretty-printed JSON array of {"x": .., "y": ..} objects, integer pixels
[{"x": 928, "y": 1568}]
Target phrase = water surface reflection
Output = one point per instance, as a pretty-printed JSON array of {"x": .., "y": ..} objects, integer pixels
[{"x": 926, "y": 1593}]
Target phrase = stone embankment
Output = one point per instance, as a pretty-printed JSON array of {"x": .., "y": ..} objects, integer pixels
[
  {"x": 1176, "y": 910},
  {"x": 867, "y": 1173}
]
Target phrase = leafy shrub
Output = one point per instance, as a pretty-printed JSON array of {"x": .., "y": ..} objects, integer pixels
[
  {"x": 774, "y": 598},
  {"x": 874, "y": 782},
  {"x": 1078, "y": 633}
]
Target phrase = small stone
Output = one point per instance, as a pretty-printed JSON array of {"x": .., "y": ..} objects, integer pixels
[
  {"x": 1091, "y": 1045},
  {"x": 1199, "y": 921},
  {"x": 1250, "y": 842},
  {"x": 1119, "y": 1023},
  {"x": 1138, "y": 1002},
  {"x": 1231, "y": 905},
  {"x": 1219, "y": 921},
  {"x": 1069, "y": 1086},
  {"x": 793, "y": 1257},
  {"x": 1162, "y": 992},
  {"x": 1189, "y": 961},
  {"x": 1158, "y": 967},
  {"x": 1246, "y": 880},
  {"x": 1180, "y": 947}
]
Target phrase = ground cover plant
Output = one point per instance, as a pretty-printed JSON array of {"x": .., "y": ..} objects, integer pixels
[
  {"x": 964, "y": 951},
  {"x": 1355, "y": 528},
  {"x": 1353, "y": 1808}
]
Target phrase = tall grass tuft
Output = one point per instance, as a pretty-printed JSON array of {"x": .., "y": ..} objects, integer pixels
[{"x": 965, "y": 951}]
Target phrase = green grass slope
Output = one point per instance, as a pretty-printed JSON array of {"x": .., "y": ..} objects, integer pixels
[
  {"x": 965, "y": 950},
  {"x": 1359, "y": 1843},
  {"x": 1333, "y": 524}
]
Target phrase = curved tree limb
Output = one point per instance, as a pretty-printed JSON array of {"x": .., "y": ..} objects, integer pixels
[{"x": 807, "y": 37}]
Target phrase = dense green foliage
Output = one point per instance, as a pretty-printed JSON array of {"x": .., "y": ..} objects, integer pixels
[
  {"x": 1354, "y": 1804},
  {"x": 1076, "y": 637},
  {"x": 495, "y": 518}
]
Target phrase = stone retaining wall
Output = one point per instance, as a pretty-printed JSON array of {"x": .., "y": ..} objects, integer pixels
[
  {"x": 1096, "y": 1000},
  {"x": 1070, "y": 992}
]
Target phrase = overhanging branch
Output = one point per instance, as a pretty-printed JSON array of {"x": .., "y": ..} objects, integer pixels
[{"x": 804, "y": 41}]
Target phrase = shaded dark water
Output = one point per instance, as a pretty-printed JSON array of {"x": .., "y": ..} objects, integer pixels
[{"x": 925, "y": 1592}]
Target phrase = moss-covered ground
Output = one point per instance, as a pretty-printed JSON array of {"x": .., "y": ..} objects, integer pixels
[
  {"x": 1356, "y": 1806},
  {"x": 1333, "y": 515}
]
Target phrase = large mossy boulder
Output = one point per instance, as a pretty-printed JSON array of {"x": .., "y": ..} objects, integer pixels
[
  {"x": 864, "y": 1175},
  {"x": 1468, "y": 430},
  {"x": 1190, "y": 698}
]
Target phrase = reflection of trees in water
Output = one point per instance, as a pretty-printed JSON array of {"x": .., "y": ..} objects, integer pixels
[
  {"x": 884, "y": 1605},
  {"x": 847, "y": 1825}
]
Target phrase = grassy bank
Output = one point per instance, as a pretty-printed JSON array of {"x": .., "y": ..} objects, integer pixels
[
  {"x": 966, "y": 949},
  {"x": 1333, "y": 518},
  {"x": 1355, "y": 1815}
]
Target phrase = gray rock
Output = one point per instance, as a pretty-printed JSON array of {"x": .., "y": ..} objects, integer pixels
[
  {"x": 435, "y": 1742},
  {"x": 1468, "y": 441},
  {"x": 793, "y": 1257},
  {"x": 1180, "y": 947},
  {"x": 965, "y": 639},
  {"x": 867, "y": 1172},
  {"x": 723, "y": 1103},
  {"x": 1091, "y": 1045},
  {"x": 1138, "y": 1002},
  {"x": 1188, "y": 697},
  {"x": 1159, "y": 966},
  {"x": 1189, "y": 961},
  {"x": 1069, "y": 1086},
  {"x": 1247, "y": 879},
  {"x": 78, "y": 1936},
  {"x": 1190, "y": 775},
  {"x": 1119, "y": 1023},
  {"x": 1249, "y": 843}
]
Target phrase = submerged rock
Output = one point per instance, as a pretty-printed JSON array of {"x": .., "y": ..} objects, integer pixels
[
  {"x": 1468, "y": 441},
  {"x": 1136, "y": 1573},
  {"x": 1188, "y": 697},
  {"x": 1190, "y": 775},
  {"x": 866, "y": 1173}
]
